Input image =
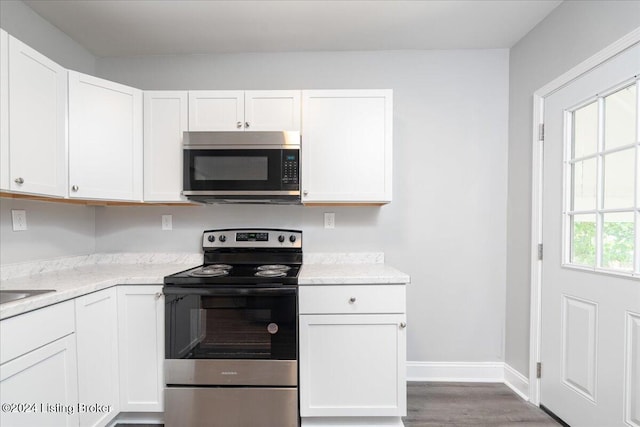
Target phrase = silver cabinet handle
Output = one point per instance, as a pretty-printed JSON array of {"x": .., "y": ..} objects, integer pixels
[
  {"x": 75, "y": 188},
  {"x": 239, "y": 125},
  {"x": 19, "y": 181},
  {"x": 403, "y": 325},
  {"x": 352, "y": 300},
  {"x": 158, "y": 295},
  {"x": 246, "y": 124}
]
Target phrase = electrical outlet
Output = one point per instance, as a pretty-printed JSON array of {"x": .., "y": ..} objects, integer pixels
[
  {"x": 19, "y": 220},
  {"x": 329, "y": 220},
  {"x": 167, "y": 222}
]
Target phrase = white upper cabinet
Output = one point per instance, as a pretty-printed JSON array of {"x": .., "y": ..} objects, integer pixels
[
  {"x": 105, "y": 139},
  {"x": 165, "y": 120},
  {"x": 35, "y": 137},
  {"x": 347, "y": 146},
  {"x": 272, "y": 110},
  {"x": 233, "y": 110},
  {"x": 4, "y": 110}
]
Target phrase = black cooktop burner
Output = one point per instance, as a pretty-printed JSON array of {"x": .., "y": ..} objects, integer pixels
[
  {"x": 209, "y": 271},
  {"x": 245, "y": 256}
]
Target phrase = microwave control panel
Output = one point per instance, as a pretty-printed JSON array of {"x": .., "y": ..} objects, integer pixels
[{"x": 290, "y": 162}]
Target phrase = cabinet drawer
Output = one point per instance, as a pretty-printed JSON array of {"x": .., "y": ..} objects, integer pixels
[
  {"x": 26, "y": 332},
  {"x": 360, "y": 299}
]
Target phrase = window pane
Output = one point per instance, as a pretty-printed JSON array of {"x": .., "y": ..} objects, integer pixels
[
  {"x": 584, "y": 185},
  {"x": 617, "y": 241},
  {"x": 583, "y": 240},
  {"x": 585, "y": 130},
  {"x": 619, "y": 179},
  {"x": 620, "y": 115}
]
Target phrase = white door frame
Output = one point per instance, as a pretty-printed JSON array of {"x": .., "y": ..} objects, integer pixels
[{"x": 539, "y": 96}]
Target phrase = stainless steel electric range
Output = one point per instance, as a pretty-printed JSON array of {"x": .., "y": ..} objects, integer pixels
[{"x": 231, "y": 332}]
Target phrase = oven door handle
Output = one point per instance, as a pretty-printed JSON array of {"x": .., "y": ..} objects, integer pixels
[{"x": 235, "y": 291}]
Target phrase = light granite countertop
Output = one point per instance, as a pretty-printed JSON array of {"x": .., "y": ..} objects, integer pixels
[
  {"x": 351, "y": 274},
  {"x": 77, "y": 281},
  {"x": 77, "y": 276}
]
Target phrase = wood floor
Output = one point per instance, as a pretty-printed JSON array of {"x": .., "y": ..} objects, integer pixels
[
  {"x": 465, "y": 404},
  {"x": 469, "y": 404}
]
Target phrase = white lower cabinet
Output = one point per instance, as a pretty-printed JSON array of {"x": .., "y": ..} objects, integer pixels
[
  {"x": 38, "y": 374},
  {"x": 141, "y": 347},
  {"x": 83, "y": 361},
  {"x": 352, "y": 354},
  {"x": 97, "y": 344}
]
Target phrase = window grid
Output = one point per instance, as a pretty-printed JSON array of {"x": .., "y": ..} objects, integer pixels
[{"x": 601, "y": 153}]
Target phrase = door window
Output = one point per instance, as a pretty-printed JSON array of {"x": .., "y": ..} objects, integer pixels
[{"x": 602, "y": 218}]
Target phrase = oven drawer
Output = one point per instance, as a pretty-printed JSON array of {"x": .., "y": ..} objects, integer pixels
[
  {"x": 231, "y": 372},
  {"x": 225, "y": 407},
  {"x": 356, "y": 299}
]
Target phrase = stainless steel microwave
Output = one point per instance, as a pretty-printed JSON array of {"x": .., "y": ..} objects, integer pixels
[{"x": 242, "y": 167}]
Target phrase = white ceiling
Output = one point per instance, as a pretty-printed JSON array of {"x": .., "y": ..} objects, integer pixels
[{"x": 156, "y": 27}]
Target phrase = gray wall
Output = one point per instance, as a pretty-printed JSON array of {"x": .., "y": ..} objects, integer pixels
[
  {"x": 570, "y": 34},
  {"x": 23, "y": 23},
  {"x": 55, "y": 230},
  {"x": 446, "y": 226}
]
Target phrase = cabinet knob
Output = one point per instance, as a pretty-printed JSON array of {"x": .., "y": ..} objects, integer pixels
[
  {"x": 75, "y": 188},
  {"x": 305, "y": 192},
  {"x": 239, "y": 125},
  {"x": 158, "y": 295},
  {"x": 403, "y": 325},
  {"x": 352, "y": 300},
  {"x": 246, "y": 124},
  {"x": 19, "y": 181}
]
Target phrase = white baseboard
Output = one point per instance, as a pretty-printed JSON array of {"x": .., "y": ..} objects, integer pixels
[
  {"x": 486, "y": 372},
  {"x": 516, "y": 381}
]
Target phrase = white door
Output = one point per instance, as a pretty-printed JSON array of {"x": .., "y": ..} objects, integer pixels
[{"x": 590, "y": 347}]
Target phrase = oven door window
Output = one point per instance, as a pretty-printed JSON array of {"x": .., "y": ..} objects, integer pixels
[
  {"x": 231, "y": 327},
  {"x": 255, "y": 169}
]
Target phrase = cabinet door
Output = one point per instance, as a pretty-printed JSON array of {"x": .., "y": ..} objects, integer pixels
[
  {"x": 141, "y": 348},
  {"x": 37, "y": 122},
  {"x": 347, "y": 146},
  {"x": 221, "y": 110},
  {"x": 352, "y": 365},
  {"x": 97, "y": 344},
  {"x": 165, "y": 119},
  {"x": 4, "y": 110},
  {"x": 105, "y": 139},
  {"x": 274, "y": 110},
  {"x": 46, "y": 378}
]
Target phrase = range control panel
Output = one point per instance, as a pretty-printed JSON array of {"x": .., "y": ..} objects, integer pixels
[{"x": 252, "y": 238}]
